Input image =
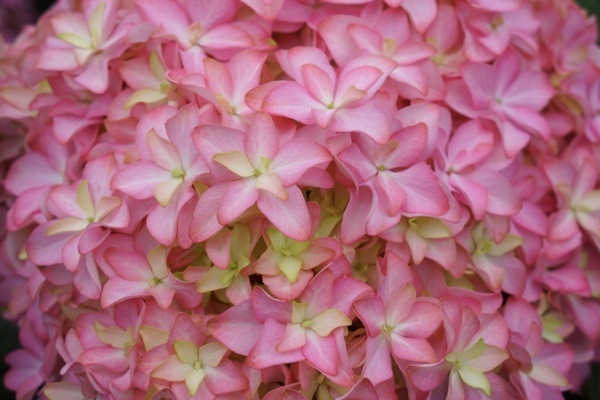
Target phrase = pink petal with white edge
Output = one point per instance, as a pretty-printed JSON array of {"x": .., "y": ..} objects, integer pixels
[{"x": 290, "y": 216}]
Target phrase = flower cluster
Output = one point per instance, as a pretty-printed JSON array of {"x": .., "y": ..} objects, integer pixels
[{"x": 301, "y": 199}]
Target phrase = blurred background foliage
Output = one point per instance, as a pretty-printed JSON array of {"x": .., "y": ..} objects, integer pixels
[{"x": 9, "y": 332}]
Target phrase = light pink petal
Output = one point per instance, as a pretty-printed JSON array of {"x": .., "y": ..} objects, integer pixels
[
  {"x": 218, "y": 79},
  {"x": 293, "y": 338},
  {"x": 474, "y": 194},
  {"x": 409, "y": 144},
  {"x": 140, "y": 179},
  {"x": 211, "y": 140},
  {"x": 163, "y": 152},
  {"x": 428, "y": 377},
  {"x": 359, "y": 208},
  {"x": 363, "y": 389},
  {"x": 225, "y": 378},
  {"x": 237, "y": 198},
  {"x": 318, "y": 83},
  {"x": 291, "y": 100},
  {"x": 421, "y": 12},
  {"x": 265, "y": 307},
  {"x": 368, "y": 118},
  {"x": 268, "y": 9},
  {"x": 91, "y": 238},
  {"x": 226, "y": 36},
  {"x": 179, "y": 129},
  {"x": 321, "y": 352},
  {"x": 398, "y": 301},
  {"x": 281, "y": 287},
  {"x": 264, "y": 355},
  {"x": 378, "y": 362},
  {"x": 372, "y": 314},
  {"x": 423, "y": 192},
  {"x": 362, "y": 78},
  {"x": 236, "y": 328},
  {"x": 262, "y": 139},
  {"x": 172, "y": 369},
  {"x": 391, "y": 191},
  {"x": 162, "y": 221},
  {"x": 118, "y": 289},
  {"x": 424, "y": 318},
  {"x": 562, "y": 225},
  {"x": 294, "y": 59},
  {"x": 290, "y": 216},
  {"x": 489, "y": 359},
  {"x": 32, "y": 170},
  {"x": 95, "y": 75},
  {"x": 163, "y": 295},
  {"x": 245, "y": 68},
  {"x": 204, "y": 220},
  {"x": 363, "y": 36},
  {"x": 514, "y": 138},
  {"x": 295, "y": 158},
  {"x": 129, "y": 265},
  {"x": 46, "y": 250},
  {"x": 412, "y": 349},
  {"x": 360, "y": 165},
  {"x": 65, "y": 199},
  {"x": 170, "y": 15},
  {"x": 502, "y": 199}
]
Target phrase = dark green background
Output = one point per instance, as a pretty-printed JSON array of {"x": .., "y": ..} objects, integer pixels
[{"x": 8, "y": 332}]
